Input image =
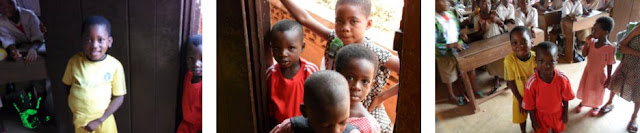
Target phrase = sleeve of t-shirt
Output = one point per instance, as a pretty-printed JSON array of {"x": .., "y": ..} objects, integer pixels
[
  {"x": 67, "y": 78},
  {"x": 566, "y": 9},
  {"x": 567, "y": 92},
  {"x": 118, "y": 84},
  {"x": 34, "y": 28},
  {"x": 511, "y": 13},
  {"x": 580, "y": 7},
  {"x": 509, "y": 74},
  {"x": 534, "y": 23},
  {"x": 529, "y": 99}
]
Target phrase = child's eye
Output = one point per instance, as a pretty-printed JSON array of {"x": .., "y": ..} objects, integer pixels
[
  {"x": 365, "y": 82},
  {"x": 349, "y": 78}
]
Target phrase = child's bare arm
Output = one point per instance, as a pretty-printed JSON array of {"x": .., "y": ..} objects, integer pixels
[
  {"x": 514, "y": 89},
  {"x": 393, "y": 91},
  {"x": 606, "y": 83},
  {"x": 565, "y": 109},
  {"x": 534, "y": 121},
  {"x": 304, "y": 18},
  {"x": 393, "y": 63}
]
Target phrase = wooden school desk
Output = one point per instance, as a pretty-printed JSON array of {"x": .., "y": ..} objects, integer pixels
[
  {"x": 548, "y": 18},
  {"x": 583, "y": 22},
  {"x": 481, "y": 53},
  {"x": 11, "y": 71}
]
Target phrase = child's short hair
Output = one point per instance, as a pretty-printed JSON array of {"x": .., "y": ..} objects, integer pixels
[
  {"x": 346, "y": 53},
  {"x": 364, "y": 5},
  {"x": 547, "y": 46},
  {"x": 195, "y": 40},
  {"x": 606, "y": 23},
  {"x": 287, "y": 25},
  {"x": 325, "y": 88},
  {"x": 95, "y": 20},
  {"x": 520, "y": 29}
]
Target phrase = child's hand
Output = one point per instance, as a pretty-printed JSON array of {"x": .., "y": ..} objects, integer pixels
[
  {"x": 498, "y": 21},
  {"x": 535, "y": 124},
  {"x": 15, "y": 54},
  {"x": 533, "y": 34},
  {"x": 464, "y": 37},
  {"x": 32, "y": 55},
  {"x": 93, "y": 125}
]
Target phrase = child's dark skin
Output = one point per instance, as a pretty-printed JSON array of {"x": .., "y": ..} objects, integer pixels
[
  {"x": 194, "y": 62},
  {"x": 546, "y": 61},
  {"x": 10, "y": 11},
  {"x": 359, "y": 74},
  {"x": 95, "y": 46},
  {"x": 521, "y": 45},
  {"x": 287, "y": 47},
  {"x": 328, "y": 119}
]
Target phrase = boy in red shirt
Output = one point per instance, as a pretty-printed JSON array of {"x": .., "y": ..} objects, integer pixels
[
  {"x": 286, "y": 78},
  {"x": 548, "y": 91},
  {"x": 192, "y": 93}
]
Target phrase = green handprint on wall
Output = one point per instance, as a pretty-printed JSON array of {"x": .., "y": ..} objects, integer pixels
[{"x": 28, "y": 113}]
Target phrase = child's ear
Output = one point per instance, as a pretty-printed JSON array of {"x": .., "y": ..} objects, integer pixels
[
  {"x": 110, "y": 42},
  {"x": 369, "y": 23},
  {"x": 303, "y": 110}
]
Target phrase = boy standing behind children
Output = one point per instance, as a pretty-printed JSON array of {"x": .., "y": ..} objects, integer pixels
[
  {"x": 96, "y": 80},
  {"x": 192, "y": 88},
  {"x": 285, "y": 79},
  {"x": 547, "y": 92},
  {"x": 518, "y": 66},
  {"x": 325, "y": 109}
]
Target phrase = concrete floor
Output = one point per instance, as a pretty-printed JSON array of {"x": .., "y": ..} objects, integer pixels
[{"x": 496, "y": 114}]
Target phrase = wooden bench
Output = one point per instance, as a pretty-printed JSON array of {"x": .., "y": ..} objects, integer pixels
[
  {"x": 583, "y": 22},
  {"x": 481, "y": 53},
  {"x": 11, "y": 71}
]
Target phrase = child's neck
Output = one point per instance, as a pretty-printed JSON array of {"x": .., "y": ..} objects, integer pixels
[
  {"x": 101, "y": 59},
  {"x": 547, "y": 77},
  {"x": 357, "y": 110},
  {"x": 292, "y": 70},
  {"x": 601, "y": 42},
  {"x": 196, "y": 79},
  {"x": 525, "y": 58}
]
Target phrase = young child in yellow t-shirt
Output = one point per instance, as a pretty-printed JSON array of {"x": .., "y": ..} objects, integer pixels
[
  {"x": 96, "y": 80},
  {"x": 518, "y": 66}
]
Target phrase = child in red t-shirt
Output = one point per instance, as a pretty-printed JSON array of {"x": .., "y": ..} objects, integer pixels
[
  {"x": 285, "y": 79},
  {"x": 192, "y": 88},
  {"x": 548, "y": 91}
]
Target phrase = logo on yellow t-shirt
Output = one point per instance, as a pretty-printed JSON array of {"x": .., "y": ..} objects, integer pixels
[{"x": 107, "y": 76}]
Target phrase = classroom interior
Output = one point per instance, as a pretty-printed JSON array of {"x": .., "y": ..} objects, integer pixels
[
  {"x": 148, "y": 39},
  {"x": 494, "y": 112}
]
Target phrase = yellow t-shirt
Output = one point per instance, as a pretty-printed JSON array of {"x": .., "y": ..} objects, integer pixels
[
  {"x": 92, "y": 86},
  {"x": 518, "y": 71}
]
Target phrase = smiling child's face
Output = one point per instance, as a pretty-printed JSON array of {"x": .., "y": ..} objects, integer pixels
[
  {"x": 351, "y": 23},
  {"x": 287, "y": 47},
  {"x": 359, "y": 75},
  {"x": 194, "y": 59},
  {"x": 96, "y": 42},
  {"x": 521, "y": 44}
]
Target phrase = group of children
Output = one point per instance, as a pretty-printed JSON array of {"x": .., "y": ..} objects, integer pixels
[
  {"x": 346, "y": 95},
  {"x": 539, "y": 90}
]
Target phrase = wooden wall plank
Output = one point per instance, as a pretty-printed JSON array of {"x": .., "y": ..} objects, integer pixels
[
  {"x": 234, "y": 109},
  {"x": 408, "y": 115},
  {"x": 62, "y": 41},
  {"x": 141, "y": 19},
  {"x": 168, "y": 42},
  {"x": 621, "y": 14}
]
